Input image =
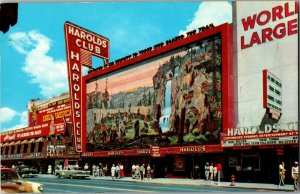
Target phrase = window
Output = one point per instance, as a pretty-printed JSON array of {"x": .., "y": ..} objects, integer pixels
[
  {"x": 6, "y": 150},
  {"x": 40, "y": 148},
  {"x": 25, "y": 148},
  {"x": 12, "y": 150},
  {"x": 18, "y": 148},
  {"x": 32, "y": 147},
  {"x": 250, "y": 163}
]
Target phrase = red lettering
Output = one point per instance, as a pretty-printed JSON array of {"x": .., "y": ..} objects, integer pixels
[
  {"x": 287, "y": 11},
  {"x": 259, "y": 19},
  {"x": 292, "y": 27},
  {"x": 249, "y": 23},
  {"x": 266, "y": 34},
  {"x": 282, "y": 32},
  {"x": 243, "y": 46},
  {"x": 277, "y": 13},
  {"x": 255, "y": 39},
  {"x": 296, "y": 7}
]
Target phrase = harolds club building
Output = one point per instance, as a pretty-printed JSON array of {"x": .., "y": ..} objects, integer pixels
[{"x": 223, "y": 94}]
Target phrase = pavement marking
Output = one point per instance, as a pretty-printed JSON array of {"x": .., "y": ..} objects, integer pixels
[
  {"x": 60, "y": 191},
  {"x": 98, "y": 187},
  {"x": 152, "y": 187}
]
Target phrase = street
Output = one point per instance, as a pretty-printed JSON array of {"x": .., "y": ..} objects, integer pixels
[{"x": 53, "y": 185}]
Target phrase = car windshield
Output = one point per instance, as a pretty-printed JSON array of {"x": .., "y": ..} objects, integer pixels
[{"x": 7, "y": 176}]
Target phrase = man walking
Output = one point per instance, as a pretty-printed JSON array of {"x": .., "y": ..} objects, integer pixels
[
  {"x": 206, "y": 170},
  {"x": 295, "y": 175},
  {"x": 281, "y": 174}
]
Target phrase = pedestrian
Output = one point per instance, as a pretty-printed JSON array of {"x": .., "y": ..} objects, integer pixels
[
  {"x": 97, "y": 170},
  {"x": 281, "y": 174},
  {"x": 215, "y": 171},
  {"x": 118, "y": 171},
  {"x": 101, "y": 169},
  {"x": 105, "y": 169},
  {"x": 133, "y": 170},
  {"x": 121, "y": 171},
  {"x": 197, "y": 172},
  {"x": 206, "y": 170},
  {"x": 211, "y": 171},
  {"x": 113, "y": 171},
  {"x": 49, "y": 171},
  {"x": 148, "y": 172},
  {"x": 295, "y": 175},
  {"x": 86, "y": 167},
  {"x": 94, "y": 169},
  {"x": 137, "y": 171},
  {"x": 142, "y": 171}
]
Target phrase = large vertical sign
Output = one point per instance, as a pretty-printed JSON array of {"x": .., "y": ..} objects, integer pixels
[{"x": 81, "y": 44}]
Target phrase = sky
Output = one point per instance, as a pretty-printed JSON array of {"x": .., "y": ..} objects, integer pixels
[{"x": 33, "y": 53}]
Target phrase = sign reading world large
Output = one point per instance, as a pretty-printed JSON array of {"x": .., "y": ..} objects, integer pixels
[{"x": 81, "y": 44}]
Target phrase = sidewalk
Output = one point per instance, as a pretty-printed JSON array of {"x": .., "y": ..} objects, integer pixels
[{"x": 198, "y": 182}]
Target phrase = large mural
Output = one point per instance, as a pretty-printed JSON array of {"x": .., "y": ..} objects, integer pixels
[{"x": 171, "y": 100}]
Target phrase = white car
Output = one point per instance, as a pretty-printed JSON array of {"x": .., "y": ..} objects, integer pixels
[{"x": 11, "y": 182}]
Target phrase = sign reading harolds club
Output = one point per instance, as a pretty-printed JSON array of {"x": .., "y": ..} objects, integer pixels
[{"x": 81, "y": 44}]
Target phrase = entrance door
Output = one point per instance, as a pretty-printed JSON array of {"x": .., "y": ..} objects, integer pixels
[{"x": 159, "y": 166}]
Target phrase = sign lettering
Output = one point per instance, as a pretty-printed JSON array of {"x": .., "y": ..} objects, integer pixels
[{"x": 81, "y": 44}]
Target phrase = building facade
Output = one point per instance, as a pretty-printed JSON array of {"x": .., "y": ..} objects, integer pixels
[{"x": 223, "y": 94}]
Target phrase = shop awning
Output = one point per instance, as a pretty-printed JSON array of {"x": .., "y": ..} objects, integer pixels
[
  {"x": 39, "y": 139},
  {"x": 6, "y": 144},
  {"x": 31, "y": 141},
  {"x": 12, "y": 143},
  {"x": 24, "y": 141},
  {"x": 18, "y": 142}
]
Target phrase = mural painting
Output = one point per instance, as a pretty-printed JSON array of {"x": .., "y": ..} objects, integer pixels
[{"x": 170, "y": 100}]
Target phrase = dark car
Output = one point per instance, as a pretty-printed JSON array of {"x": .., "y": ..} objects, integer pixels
[{"x": 26, "y": 171}]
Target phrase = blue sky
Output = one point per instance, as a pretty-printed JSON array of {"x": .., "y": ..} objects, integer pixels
[{"x": 33, "y": 60}]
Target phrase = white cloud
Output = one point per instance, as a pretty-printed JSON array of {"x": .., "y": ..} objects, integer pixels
[
  {"x": 6, "y": 114},
  {"x": 48, "y": 73},
  {"x": 217, "y": 12}
]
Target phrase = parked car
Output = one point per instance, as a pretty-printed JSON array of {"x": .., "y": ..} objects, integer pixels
[
  {"x": 11, "y": 182},
  {"x": 26, "y": 171},
  {"x": 72, "y": 173}
]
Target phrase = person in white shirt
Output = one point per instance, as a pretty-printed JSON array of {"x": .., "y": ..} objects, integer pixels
[
  {"x": 295, "y": 175},
  {"x": 206, "y": 169},
  {"x": 133, "y": 170},
  {"x": 86, "y": 166},
  {"x": 113, "y": 171},
  {"x": 211, "y": 171}
]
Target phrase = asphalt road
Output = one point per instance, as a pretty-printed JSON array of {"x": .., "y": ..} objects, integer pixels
[{"x": 55, "y": 185}]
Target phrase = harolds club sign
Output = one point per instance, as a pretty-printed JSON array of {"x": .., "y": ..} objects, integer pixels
[
  {"x": 81, "y": 44},
  {"x": 276, "y": 134}
]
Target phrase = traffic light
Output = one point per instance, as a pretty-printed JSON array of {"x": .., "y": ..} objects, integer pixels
[{"x": 8, "y": 15}]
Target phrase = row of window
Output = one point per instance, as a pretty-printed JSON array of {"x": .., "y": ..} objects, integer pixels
[
  {"x": 274, "y": 100},
  {"x": 273, "y": 106},
  {"x": 274, "y": 90},
  {"x": 4, "y": 150},
  {"x": 274, "y": 81}
]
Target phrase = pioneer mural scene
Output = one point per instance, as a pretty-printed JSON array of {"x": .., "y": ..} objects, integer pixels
[{"x": 177, "y": 103}]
